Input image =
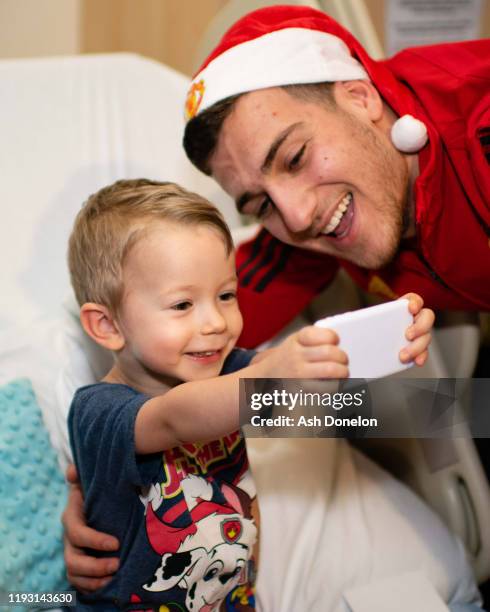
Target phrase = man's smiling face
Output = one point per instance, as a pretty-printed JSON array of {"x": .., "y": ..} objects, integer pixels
[{"x": 324, "y": 178}]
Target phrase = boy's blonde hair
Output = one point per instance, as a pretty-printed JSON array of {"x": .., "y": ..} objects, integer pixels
[{"x": 111, "y": 222}]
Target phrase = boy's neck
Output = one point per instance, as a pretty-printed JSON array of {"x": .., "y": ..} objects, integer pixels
[{"x": 144, "y": 382}]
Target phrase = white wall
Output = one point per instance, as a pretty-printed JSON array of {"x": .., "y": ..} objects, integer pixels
[{"x": 30, "y": 28}]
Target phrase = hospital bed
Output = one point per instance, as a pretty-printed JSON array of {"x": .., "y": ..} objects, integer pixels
[{"x": 71, "y": 125}]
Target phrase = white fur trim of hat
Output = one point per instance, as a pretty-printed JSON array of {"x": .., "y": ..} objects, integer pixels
[
  {"x": 284, "y": 57},
  {"x": 290, "y": 56}
]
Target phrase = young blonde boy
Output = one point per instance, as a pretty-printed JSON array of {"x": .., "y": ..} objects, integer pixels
[{"x": 162, "y": 464}]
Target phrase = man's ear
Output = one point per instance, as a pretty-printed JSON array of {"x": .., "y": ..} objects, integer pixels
[
  {"x": 360, "y": 97},
  {"x": 99, "y": 323}
]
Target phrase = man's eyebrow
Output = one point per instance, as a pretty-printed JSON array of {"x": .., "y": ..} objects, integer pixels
[
  {"x": 274, "y": 148},
  {"x": 269, "y": 158}
]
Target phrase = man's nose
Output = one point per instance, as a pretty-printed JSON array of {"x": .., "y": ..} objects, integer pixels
[
  {"x": 212, "y": 321},
  {"x": 297, "y": 208}
]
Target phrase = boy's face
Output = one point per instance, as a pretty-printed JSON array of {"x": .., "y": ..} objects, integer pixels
[{"x": 179, "y": 314}]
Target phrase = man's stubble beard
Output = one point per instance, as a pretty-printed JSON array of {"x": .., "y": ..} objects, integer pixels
[{"x": 392, "y": 180}]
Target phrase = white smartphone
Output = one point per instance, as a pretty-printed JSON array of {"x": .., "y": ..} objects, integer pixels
[{"x": 373, "y": 338}]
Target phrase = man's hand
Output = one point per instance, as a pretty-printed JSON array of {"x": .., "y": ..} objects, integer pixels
[
  {"x": 86, "y": 573},
  {"x": 419, "y": 332}
]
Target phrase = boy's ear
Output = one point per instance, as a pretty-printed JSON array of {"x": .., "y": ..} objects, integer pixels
[
  {"x": 99, "y": 323},
  {"x": 361, "y": 96}
]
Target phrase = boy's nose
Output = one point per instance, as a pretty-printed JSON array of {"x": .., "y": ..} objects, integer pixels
[{"x": 213, "y": 322}]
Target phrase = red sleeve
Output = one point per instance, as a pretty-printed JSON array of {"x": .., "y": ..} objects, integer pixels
[{"x": 276, "y": 281}]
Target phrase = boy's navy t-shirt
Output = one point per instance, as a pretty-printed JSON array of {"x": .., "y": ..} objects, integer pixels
[{"x": 182, "y": 516}]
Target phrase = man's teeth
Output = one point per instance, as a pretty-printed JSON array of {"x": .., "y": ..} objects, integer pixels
[{"x": 338, "y": 214}]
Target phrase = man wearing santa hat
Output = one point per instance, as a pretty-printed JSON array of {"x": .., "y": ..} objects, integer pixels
[{"x": 382, "y": 168}]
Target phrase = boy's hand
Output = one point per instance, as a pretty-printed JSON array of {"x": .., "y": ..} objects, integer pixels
[
  {"x": 84, "y": 572},
  {"x": 419, "y": 332},
  {"x": 312, "y": 352}
]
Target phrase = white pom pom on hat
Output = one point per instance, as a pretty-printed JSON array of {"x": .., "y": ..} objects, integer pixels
[
  {"x": 409, "y": 134},
  {"x": 289, "y": 45}
]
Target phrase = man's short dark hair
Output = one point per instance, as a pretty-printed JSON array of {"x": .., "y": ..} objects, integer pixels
[{"x": 202, "y": 132}]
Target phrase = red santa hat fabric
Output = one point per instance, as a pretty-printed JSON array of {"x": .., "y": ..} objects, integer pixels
[{"x": 286, "y": 45}]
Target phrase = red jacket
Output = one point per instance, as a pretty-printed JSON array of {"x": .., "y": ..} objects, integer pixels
[{"x": 448, "y": 263}]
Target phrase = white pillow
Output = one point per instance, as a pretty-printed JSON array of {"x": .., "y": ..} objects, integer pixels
[
  {"x": 57, "y": 357},
  {"x": 83, "y": 362},
  {"x": 33, "y": 352}
]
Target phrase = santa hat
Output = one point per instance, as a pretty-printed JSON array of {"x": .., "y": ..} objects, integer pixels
[{"x": 286, "y": 45}]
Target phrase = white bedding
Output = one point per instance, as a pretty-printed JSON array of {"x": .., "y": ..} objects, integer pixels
[{"x": 331, "y": 520}]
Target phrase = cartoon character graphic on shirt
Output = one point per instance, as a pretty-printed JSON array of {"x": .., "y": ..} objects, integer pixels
[{"x": 209, "y": 557}]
